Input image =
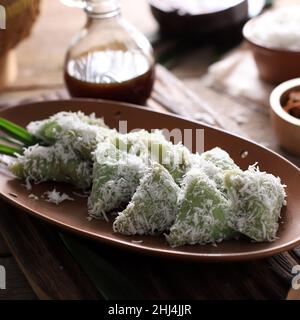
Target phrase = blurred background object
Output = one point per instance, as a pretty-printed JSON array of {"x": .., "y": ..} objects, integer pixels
[
  {"x": 109, "y": 58},
  {"x": 20, "y": 17},
  {"x": 194, "y": 19},
  {"x": 274, "y": 40},
  {"x": 285, "y": 112},
  {"x": 205, "y": 21}
]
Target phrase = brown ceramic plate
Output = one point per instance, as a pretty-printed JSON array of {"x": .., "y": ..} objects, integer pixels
[{"x": 73, "y": 215}]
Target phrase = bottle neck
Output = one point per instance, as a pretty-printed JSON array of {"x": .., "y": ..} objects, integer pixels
[{"x": 102, "y": 9}]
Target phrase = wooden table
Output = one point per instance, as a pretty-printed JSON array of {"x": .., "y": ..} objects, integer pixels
[{"x": 40, "y": 77}]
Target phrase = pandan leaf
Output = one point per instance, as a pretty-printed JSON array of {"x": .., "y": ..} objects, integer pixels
[
  {"x": 9, "y": 151},
  {"x": 17, "y": 132}
]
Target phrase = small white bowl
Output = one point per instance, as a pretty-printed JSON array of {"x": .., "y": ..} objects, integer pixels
[{"x": 286, "y": 127}]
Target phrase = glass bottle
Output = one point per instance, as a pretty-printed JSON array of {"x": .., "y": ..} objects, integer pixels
[{"x": 109, "y": 58}]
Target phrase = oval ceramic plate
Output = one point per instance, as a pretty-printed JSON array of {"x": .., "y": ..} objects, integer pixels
[{"x": 72, "y": 215}]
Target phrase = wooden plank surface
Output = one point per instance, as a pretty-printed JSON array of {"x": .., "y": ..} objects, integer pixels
[
  {"x": 45, "y": 262},
  {"x": 171, "y": 279},
  {"x": 4, "y": 251}
]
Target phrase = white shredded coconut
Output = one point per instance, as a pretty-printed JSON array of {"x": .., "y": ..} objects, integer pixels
[
  {"x": 215, "y": 200},
  {"x": 27, "y": 184},
  {"x": 153, "y": 207},
  {"x": 56, "y": 197},
  {"x": 33, "y": 196},
  {"x": 116, "y": 176},
  {"x": 5, "y": 160},
  {"x": 256, "y": 199},
  {"x": 277, "y": 29},
  {"x": 137, "y": 241},
  {"x": 74, "y": 129}
]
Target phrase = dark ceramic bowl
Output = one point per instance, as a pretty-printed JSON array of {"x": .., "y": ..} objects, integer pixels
[{"x": 175, "y": 22}]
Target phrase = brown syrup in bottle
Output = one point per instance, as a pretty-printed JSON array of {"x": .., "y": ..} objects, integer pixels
[{"x": 111, "y": 74}]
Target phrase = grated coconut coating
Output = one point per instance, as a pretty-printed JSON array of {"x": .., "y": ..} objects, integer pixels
[
  {"x": 153, "y": 207},
  {"x": 203, "y": 215},
  {"x": 154, "y": 147},
  {"x": 216, "y": 201},
  {"x": 220, "y": 158},
  {"x": 54, "y": 163},
  {"x": 214, "y": 163},
  {"x": 74, "y": 129},
  {"x": 116, "y": 175},
  {"x": 256, "y": 199}
]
